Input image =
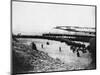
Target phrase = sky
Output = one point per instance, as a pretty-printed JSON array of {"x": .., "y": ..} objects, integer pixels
[{"x": 31, "y": 18}]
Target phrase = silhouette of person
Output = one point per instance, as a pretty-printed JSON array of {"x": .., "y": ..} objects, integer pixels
[
  {"x": 59, "y": 49},
  {"x": 34, "y": 46},
  {"x": 41, "y": 45},
  {"x": 78, "y": 54}
]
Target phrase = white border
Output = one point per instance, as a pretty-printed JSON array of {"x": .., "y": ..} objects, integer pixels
[{"x": 5, "y": 37}]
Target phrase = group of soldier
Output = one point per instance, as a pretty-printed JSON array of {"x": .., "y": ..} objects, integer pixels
[{"x": 79, "y": 47}]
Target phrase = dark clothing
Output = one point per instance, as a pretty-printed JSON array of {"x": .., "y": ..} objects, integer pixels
[
  {"x": 59, "y": 49},
  {"x": 34, "y": 46},
  {"x": 42, "y": 45}
]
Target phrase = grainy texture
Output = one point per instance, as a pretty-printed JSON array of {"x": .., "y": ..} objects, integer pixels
[{"x": 26, "y": 59}]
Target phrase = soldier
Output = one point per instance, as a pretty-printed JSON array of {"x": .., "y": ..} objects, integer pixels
[
  {"x": 34, "y": 46},
  {"x": 78, "y": 54},
  {"x": 42, "y": 45},
  {"x": 73, "y": 48},
  {"x": 59, "y": 49}
]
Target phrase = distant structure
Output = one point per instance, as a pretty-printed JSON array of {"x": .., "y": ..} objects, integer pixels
[{"x": 19, "y": 34}]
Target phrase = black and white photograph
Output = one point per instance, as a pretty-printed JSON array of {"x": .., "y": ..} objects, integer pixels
[{"x": 52, "y": 37}]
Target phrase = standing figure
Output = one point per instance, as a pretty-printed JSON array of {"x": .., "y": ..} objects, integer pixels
[
  {"x": 33, "y": 46},
  {"x": 73, "y": 48},
  {"x": 78, "y": 54},
  {"x": 59, "y": 49},
  {"x": 41, "y": 45}
]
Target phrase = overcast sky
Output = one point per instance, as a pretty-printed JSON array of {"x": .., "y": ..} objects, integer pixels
[{"x": 39, "y": 17}]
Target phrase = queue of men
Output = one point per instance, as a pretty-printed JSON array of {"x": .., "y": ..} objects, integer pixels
[{"x": 79, "y": 47}]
